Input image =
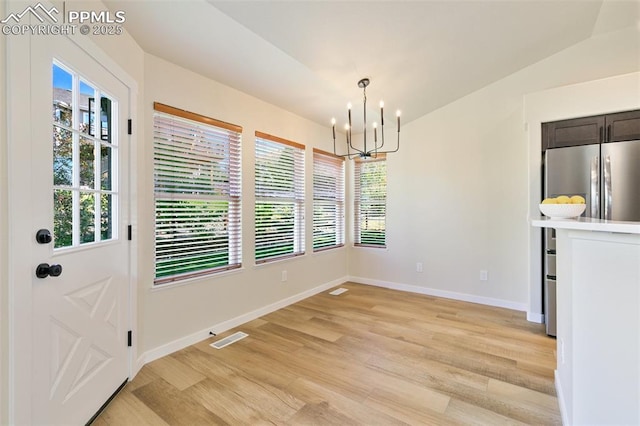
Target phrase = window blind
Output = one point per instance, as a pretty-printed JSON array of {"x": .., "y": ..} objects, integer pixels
[
  {"x": 370, "y": 202},
  {"x": 328, "y": 200},
  {"x": 197, "y": 194},
  {"x": 279, "y": 192}
]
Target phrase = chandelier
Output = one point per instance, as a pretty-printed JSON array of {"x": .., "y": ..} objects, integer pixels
[{"x": 374, "y": 149}]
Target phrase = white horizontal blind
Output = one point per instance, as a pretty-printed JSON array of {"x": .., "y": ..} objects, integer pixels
[
  {"x": 328, "y": 201},
  {"x": 197, "y": 196},
  {"x": 370, "y": 202},
  {"x": 279, "y": 191}
]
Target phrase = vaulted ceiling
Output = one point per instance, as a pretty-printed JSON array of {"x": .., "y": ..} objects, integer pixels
[{"x": 307, "y": 56}]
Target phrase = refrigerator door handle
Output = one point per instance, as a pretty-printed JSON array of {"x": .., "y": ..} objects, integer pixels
[
  {"x": 595, "y": 185},
  {"x": 607, "y": 187}
]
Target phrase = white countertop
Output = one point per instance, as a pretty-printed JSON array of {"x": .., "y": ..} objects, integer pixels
[{"x": 588, "y": 224}]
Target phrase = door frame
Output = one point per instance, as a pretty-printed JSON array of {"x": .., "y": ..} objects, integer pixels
[{"x": 19, "y": 221}]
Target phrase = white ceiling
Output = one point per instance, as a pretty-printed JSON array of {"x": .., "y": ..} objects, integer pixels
[{"x": 307, "y": 56}]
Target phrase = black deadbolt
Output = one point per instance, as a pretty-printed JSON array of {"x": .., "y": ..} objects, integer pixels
[
  {"x": 43, "y": 236},
  {"x": 44, "y": 270}
]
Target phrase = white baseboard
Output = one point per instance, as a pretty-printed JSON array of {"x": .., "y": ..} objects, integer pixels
[
  {"x": 534, "y": 317},
  {"x": 137, "y": 366},
  {"x": 561, "y": 401},
  {"x": 442, "y": 293},
  {"x": 198, "y": 336}
]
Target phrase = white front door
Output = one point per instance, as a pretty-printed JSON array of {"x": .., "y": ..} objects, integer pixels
[{"x": 79, "y": 192}]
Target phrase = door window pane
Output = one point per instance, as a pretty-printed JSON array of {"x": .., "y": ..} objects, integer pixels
[
  {"x": 105, "y": 167},
  {"x": 106, "y": 221},
  {"x": 62, "y": 218},
  {"x": 87, "y": 107},
  {"x": 87, "y": 163},
  {"x": 87, "y": 217},
  {"x": 105, "y": 119},
  {"x": 62, "y": 96},
  {"x": 62, "y": 156}
]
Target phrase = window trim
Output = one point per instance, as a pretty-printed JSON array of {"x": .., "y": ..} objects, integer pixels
[{"x": 159, "y": 107}]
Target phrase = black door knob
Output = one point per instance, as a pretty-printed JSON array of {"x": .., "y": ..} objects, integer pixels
[
  {"x": 44, "y": 270},
  {"x": 43, "y": 236}
]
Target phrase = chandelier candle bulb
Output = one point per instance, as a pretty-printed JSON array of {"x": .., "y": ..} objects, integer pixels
[
  {"x": 398, "y": 115},
  {"x": 382, "y": 113},
  {"x": 375, "y": 132}
]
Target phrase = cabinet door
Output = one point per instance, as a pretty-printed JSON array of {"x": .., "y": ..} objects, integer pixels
[
  {"x": 623, "y": 126},
  {"x": 574, "y": 132}
]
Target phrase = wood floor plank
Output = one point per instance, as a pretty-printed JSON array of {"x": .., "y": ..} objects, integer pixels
[
  {"x": 128, "y": 410},
  {"x": 320, "y": 414},
  {"x": 173, "y": 406},
  {"x": 315, "y": 393},
  {"x": 370, "y": 356},
  {"x": 467, "y": 414},
  {"x": 173, "y": 371}
]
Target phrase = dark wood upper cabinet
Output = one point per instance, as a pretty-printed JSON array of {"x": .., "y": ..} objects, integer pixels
[
  {"x": 623, "y": 126},
  {"x": 617, "y": 127},
  {"x": 574, "y": 132}
]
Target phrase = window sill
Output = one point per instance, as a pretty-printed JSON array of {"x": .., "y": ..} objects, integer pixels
[{"x": 196, "y": 279}]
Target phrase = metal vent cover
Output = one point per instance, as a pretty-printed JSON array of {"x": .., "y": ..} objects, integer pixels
[{"x": 229, "y": 340}]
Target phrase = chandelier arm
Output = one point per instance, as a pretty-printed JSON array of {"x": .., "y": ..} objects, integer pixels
[
  {"x": 391, "y": 151},
  {"x": 348, "y": 143},
  {"x": 382, "y": 136}
]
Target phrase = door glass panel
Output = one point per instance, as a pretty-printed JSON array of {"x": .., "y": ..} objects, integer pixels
[
  {"x": 85, "y": 151},
  {"x": 62, "y": 156},
  {"x": 87, "y": 217},
  {"x": 105, "y": 119},
  {"x": 62, "y": 96},
  {"x": 62, "y": 218},
  {"x": 87, "y": 164},
  {"x": 105, "y": 168},
  {"x": 106, "y": 208},
  {"x": 87, "y": 109}
]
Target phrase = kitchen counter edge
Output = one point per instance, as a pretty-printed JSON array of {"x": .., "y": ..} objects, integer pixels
[{"x": 588, "y": 224}]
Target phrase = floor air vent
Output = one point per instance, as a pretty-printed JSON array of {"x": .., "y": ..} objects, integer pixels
[
  {"x": 339, "y": 291},
  {"x": 229, "y": 340}
]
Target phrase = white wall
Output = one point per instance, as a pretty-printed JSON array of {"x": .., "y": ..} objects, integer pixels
[
  {"x": 175, "y": 312},
  {"x": 459, "y": 191},
  {"x": 4, "y": 284}
]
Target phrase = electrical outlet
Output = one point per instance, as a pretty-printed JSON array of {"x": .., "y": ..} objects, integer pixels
[
  {"x": 419, "y": 267},
  {"x": 562, "y": 351},
  {"x": 484, "y": 275},
  {"x": 284, "y": 276}
]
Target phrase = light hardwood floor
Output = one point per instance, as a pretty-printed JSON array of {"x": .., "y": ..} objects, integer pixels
[{"x": 370, "y": 356}]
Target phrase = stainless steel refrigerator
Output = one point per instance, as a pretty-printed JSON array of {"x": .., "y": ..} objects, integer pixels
[{"x": 607, "y": 175}]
